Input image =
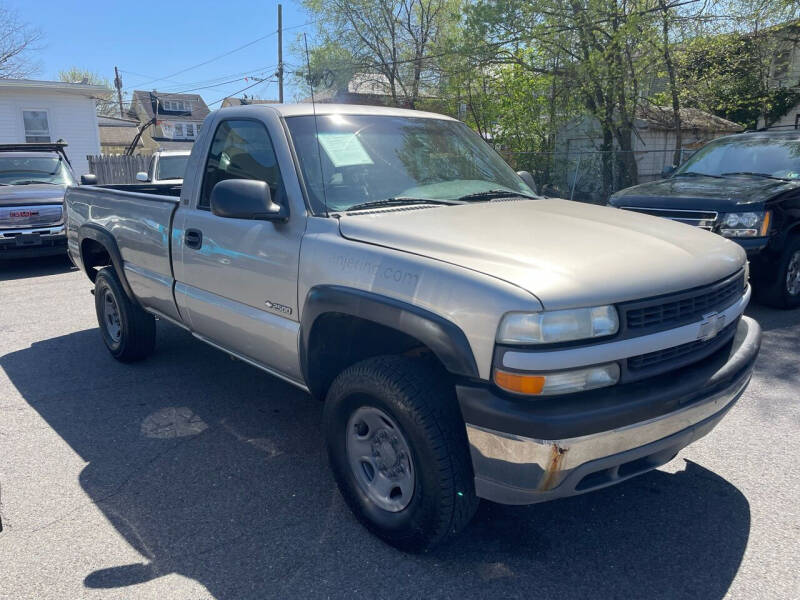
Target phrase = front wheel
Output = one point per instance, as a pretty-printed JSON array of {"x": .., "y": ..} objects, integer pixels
[{"x": 398, "y": 450}]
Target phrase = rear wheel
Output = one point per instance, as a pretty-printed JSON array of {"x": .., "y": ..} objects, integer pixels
[
  {"x": 784, "y": 290},
  {"x": 398, "y": 450},
  {"x": 128, "y": 331}
]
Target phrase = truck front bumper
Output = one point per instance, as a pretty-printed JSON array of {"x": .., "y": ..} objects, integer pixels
[
  {"x": 27, "y": 243},
  {"x": 529, "y": 451}
]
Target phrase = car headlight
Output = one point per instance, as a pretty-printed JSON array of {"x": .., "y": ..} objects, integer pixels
[
  {"x": 745, "y": 224},
  {"x": 551, "y": 327}
]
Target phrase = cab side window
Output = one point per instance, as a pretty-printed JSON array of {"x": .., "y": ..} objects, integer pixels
[{"x": 241, "y": 150}]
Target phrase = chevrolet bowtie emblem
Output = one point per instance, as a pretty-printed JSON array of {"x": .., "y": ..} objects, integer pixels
[{"x": 710, "y": 326}]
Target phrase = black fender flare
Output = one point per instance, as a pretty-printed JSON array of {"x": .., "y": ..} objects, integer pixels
[
  {"x": 96, "y": 233},
  {"x": 445, "y": 339}
]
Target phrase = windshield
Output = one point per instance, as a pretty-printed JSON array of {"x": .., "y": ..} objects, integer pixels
[
  {"x": 25, "y": 170},
  {"x": 369, "y": 158},
  {"x": 171, "y": 167},
  {"x": 741, "y": 155}
]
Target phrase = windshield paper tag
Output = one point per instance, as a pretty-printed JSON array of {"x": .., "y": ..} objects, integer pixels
[{"x": 344, "y": 149}]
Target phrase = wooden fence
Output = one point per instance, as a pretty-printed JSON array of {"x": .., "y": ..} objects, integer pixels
[{"x": 117, "y": 168}]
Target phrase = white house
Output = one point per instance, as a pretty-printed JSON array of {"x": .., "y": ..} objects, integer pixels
[{"x": 48, "y": 111}]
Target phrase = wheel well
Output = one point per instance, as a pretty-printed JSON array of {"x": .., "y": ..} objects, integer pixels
[
  {"x": 94, "y": 255},
  {"x": 339, "y": 340},
  {"x": 793, "y": 230}
]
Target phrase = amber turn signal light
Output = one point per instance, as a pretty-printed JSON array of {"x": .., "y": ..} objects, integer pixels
[{"x": 519, "y": 384}]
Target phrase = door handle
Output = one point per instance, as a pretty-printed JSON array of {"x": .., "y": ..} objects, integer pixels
[{"x": 193, "y": 238}]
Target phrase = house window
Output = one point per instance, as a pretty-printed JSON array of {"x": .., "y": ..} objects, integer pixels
[
  {"x": 178, "y": 130},
  {"x": 176, "y": 105},
  {"x": 189, "y": 130},
  {"x": 782, "y": 63},
  {"x": 37, "y": 127}
]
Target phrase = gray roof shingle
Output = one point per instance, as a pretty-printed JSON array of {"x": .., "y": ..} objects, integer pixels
[{"x": 147, "y": 102}]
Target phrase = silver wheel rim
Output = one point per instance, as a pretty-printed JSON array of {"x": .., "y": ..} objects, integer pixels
[
  {"x": 111, "y": 318},
  {"x": 380, "y": 458},
  {"x": 793, "y": 275}
]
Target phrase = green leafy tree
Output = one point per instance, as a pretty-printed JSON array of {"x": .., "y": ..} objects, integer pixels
[
  {"x": 105, "y": 102},
  {"x": 729, "y": 75}
]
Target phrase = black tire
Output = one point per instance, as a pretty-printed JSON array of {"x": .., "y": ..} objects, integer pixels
[
  {"x": 135, "y": 336},
  {"x": 776, "y": 292},
  {"x": 419, "y": 399}
]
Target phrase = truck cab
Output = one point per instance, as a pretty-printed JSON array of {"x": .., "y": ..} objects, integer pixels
[{"x": 165, "y": 166}]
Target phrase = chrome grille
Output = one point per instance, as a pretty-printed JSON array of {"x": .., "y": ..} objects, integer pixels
[
  {"x": 672, "y": 358},
  {"x": 704, "y": 219},
  {"x": 674, "y": 310},
  {"x": 26, "y": 217}
]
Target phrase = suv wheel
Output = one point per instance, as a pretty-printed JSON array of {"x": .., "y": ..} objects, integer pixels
[
  {"x": 784, "y": 292},
  {"x": 128, "y": 331},
  {"x": 398, "y": 450}
]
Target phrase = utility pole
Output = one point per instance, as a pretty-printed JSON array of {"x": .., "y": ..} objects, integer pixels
[
  {"x": 280, "y": 54},
  {"x": 118, "y": 85}
]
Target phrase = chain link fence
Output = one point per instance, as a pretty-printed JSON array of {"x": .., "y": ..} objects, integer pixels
[{"x": 592, "y": 176}]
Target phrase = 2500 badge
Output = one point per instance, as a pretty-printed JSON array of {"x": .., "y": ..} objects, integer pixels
[{"x": 285, "y": 310}]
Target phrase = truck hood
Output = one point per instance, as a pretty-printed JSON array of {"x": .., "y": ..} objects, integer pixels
[
  {"x": 31, "y": 195},
  {"x": 567, "y": 254},
  {"x": 703, "y": 193}
]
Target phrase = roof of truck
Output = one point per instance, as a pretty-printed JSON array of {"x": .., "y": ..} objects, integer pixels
[{"x": 296, "y": 110}]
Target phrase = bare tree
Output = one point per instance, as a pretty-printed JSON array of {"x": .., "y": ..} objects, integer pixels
[
  {"x": 385, "y": 45},
  {"x": 17, "y": 41}
]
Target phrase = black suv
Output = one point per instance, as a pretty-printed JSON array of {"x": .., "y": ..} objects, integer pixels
[{"x": 745, "y": 187}]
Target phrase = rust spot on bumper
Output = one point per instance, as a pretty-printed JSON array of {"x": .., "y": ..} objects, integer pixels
[{"x": 553, "y": 470}]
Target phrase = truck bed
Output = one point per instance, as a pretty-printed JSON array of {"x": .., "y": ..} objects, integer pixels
[{"x": 139, "y": 219}]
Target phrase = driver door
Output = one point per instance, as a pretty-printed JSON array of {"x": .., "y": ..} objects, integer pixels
[{"x": 238, "y": 281}]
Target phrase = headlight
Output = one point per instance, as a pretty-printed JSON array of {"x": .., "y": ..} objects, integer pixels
[
  {"x": 550, "y": 327},
  {"x": 746, "y": 224},
  {"x": 560, "y": 382}
]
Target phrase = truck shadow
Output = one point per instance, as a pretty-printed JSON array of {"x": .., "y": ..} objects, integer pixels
[
  {"x": 22, "y": 268},
  {"x": 215, "y": 471}
]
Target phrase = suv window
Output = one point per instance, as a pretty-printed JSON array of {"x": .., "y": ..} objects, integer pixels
[{"x": 240, "y": 150}]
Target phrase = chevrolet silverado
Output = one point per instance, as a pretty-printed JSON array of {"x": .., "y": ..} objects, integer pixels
[{"x": 469, "y": 338}]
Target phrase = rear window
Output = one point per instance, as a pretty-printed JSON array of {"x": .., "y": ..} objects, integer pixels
[{"x": 171, "y": 167}]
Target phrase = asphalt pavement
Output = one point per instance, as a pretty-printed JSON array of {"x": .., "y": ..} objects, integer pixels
[{"x": 191, "y": 475}]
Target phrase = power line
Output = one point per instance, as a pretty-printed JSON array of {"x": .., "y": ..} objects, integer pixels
[
  {"x": 205, "y": 87},
  {"x": 240, "y": 91},
  {"x": 210, "y": 60}
]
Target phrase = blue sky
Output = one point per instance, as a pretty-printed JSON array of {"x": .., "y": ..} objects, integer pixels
[{"x": 179, "y": 34}]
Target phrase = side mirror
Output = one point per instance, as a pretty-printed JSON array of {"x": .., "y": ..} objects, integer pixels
[
  {"x": 245, "y": 199},
  {"x": 668, "y": 171},
  {"x": 142, "y": 176},
  {"x": 528, "y": 179},
  {"x": 88, "y": 179}
]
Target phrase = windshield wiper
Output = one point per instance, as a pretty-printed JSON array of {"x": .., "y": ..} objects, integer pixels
[
  {"x": 398, "y": 201},
  {"x": 696, "y": 174},
  {"x": 764, "y": 175},
  {"x": 33, "y": 182},
  {"x": 493, "y": 194}
]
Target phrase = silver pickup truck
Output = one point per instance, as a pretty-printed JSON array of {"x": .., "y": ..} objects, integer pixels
[{"x": 469, "y": 338}]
